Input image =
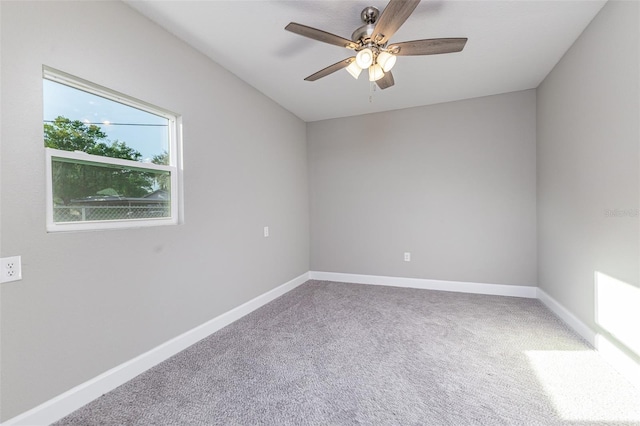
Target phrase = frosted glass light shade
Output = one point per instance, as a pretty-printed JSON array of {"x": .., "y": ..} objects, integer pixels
[
  {"x": 386, "y": 61},
  {"x": 375, "y": 72},
  {"x": 364, "y": 58},
  {"x": 354, "y": 69}
]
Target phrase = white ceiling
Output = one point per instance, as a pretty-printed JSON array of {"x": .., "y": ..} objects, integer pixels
[{"x": 512, "y": 46}]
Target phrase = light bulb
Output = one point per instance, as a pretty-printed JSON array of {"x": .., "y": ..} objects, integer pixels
[
  {"x": 354, "y": 70},
  {"x": 364, "y": 58},
  {"x": 375, "y": 72},
  {"x": 386, "y": 61}
]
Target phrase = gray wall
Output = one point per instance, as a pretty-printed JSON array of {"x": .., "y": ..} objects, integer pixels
[
  {"x": 454, "y": 184},
  {"x": 588, "y": 153},
  {"x": 92, "y": 300}
]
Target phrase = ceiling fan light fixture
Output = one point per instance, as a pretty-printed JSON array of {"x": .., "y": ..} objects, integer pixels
[
  {"x": 386, "y": 61},
  {"x": 375, "y": 72},
  {"x": 371, "y": 43},
  {"x": 364, "y": 58},
  {"x": 354, "y": 69}
]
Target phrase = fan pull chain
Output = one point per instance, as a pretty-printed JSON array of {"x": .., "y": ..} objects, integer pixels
[{"x": 372, "y": 89}]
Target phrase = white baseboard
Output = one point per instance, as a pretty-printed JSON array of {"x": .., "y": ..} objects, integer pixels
[
  {"x": 425, "y": 284},
  {"x": 613, "y": 355},
  {"x": 619, "y": 360},
  {"x": 66, "y": 403},
  {"x": 565, "y": 315}
]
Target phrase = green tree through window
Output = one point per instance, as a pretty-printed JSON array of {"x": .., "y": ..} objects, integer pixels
[{"x": 73, "y": 181}]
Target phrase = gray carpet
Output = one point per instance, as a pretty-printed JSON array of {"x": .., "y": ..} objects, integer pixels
[{"x": 341, "y": 354}]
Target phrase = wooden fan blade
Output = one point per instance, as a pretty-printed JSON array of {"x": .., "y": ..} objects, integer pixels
[
  {"x": 386, "y": 81},
  {"x": 392, "y": 17},
  {"x": 320, "y": 35},
  {"x": 433, "y": 46},
  {"x": 331, "y": 69}
]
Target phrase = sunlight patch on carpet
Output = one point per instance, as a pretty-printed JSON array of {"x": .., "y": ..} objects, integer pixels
[{"x": 582, "y": 387}]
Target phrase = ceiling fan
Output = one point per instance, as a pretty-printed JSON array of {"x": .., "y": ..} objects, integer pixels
[{"x": 370, "y": 41}]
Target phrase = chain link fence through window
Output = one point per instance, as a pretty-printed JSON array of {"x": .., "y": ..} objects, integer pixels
[{"x": 89, "y": 213}]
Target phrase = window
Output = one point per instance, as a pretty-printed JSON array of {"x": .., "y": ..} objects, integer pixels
[{"x": 111, "y": 160}]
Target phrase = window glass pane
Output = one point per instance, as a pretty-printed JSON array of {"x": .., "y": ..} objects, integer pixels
[
  {"x": 87, "y": 191},
  {"x": 75, "y": 120}
]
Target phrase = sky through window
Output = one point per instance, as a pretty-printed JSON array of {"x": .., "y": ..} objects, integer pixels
[{"x": 145, "y": 132}]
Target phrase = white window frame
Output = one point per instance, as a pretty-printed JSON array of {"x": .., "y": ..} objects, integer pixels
[{"x": 174, "y": 167}]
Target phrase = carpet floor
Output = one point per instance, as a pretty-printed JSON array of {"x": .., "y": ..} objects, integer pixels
[{"x": 330, "y": 353}]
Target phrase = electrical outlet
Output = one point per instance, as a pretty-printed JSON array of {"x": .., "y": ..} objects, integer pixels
[
  {"x": 266, "y": 231},
  {"x": 407, "y": 257},
  {"x": 10, "y": 269}
]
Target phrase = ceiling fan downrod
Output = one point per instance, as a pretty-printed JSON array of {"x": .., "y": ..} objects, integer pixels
[{"x": 369, "y": 16}]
